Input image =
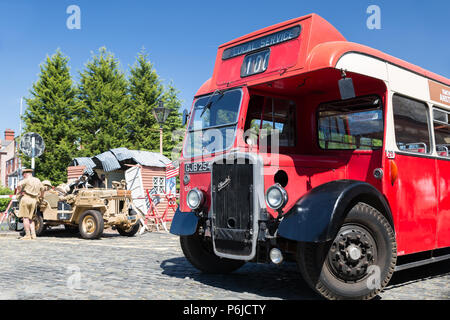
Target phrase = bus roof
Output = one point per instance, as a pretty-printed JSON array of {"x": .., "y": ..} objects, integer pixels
[{"x": 317, "y": 45}]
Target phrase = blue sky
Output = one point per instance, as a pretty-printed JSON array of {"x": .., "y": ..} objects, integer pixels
[{"x": 182, "y": 37}]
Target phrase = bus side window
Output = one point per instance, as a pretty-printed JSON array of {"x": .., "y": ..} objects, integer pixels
[
  {"x": 253, "y": 120},
  {"x": 266, "y": 114},
  {"x": 441, "y": 132},
  {"x": 354, "y": 124},
  {"x": 411, "y": 125}
]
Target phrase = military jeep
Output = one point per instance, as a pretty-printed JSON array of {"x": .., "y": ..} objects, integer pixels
[{"x": 87, "y": 210}]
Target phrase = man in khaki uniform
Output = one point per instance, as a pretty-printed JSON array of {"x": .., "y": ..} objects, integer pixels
[
  {"x": 30, "y": 189},
  {"x": 47, "y": 185}
]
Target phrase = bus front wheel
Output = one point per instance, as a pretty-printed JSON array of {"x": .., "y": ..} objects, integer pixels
[
  {"x": 358, "y": 263},
  {"x": 199, "y": 252}
]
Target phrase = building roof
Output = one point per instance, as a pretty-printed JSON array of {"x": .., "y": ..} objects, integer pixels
[
  {"x": 85, "y": 161},
  {"x": 144, "y": 158},
  {"x": 5, "y": 143},
  {"x": 108, "y": 161},
  {"x": 111, "y": 160}
]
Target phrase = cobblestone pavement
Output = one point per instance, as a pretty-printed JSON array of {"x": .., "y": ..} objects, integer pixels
[{"x": 152, "y": 266}]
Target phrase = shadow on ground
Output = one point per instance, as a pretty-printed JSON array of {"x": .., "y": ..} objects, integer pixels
[
  {"x": 419, "y": 274},
  {"x": 285, "y": 282},
  {"x": 265, "y": 280},
  {"x": 61, "y": 232}
]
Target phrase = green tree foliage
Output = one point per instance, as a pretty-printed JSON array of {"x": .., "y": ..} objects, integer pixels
[
  {"x": 4, "y": 202},
  {"x": 104, "y": 111},
  {"x": 104, "y": 115},
  {"x": 173, "y": 121},
  {"x": 50, "y": 113},
  {"x": 146, "y": 90}
]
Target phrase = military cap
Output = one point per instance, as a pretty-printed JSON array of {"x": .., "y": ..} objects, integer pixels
[{"x": 47, "y": 183}]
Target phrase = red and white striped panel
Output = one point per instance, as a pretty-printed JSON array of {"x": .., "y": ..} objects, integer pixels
[
  {"x": 9, "y": 196},
  {"x": 171, "y": 171}
]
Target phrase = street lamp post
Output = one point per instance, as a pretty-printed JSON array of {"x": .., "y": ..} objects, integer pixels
[{"x": 161, "y": 113}]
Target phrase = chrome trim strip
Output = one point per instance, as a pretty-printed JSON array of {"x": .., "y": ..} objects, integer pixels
[{"x": 421, "y": 262}]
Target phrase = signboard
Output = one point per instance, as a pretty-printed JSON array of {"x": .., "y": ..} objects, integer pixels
[
  {"x": 439, "y": 92},
  {"x": 255, "y": 63},
  {"x": 262, "y": 42},
  {"x": 32, "y": 144}
]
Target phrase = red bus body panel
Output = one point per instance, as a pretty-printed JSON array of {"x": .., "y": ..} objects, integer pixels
[{"x": 419, "y": 198}]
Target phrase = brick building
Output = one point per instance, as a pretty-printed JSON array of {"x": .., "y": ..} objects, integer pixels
[{"x": 9, "y": 161}]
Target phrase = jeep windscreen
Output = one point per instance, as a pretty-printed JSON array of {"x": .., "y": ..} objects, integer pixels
[{"x": 212, "y": 127}]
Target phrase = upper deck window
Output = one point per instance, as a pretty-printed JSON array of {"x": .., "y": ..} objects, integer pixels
[
  {"x": 351, "y": 124},
  {"x": 411, "y": 125},
  {"x": 442, "y": 131}
]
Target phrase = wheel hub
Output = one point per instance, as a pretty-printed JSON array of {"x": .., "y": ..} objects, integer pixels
[
  {"x": 351, "y": 253},
  {"x": 88, "y": 225}
]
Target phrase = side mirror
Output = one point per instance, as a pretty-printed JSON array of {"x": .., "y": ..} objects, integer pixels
[
  {"x": 346, "y": 88},
  {"x": 185, "y": 117}
]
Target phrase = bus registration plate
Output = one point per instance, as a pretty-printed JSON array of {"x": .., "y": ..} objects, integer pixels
[{"x": 197, "y": 167}]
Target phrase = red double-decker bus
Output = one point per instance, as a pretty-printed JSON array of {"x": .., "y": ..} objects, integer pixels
[{"x": 304, "y": 146}]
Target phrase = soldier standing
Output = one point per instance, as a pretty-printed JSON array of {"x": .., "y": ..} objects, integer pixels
[{"x": 31, "y": 189}]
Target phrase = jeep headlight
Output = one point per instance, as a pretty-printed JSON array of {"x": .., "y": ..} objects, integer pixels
[
  {"x": 276, "y": 197},
  {"x": 195, "y": 199}
]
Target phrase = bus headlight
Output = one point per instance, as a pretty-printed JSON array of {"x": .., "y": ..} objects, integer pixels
[
  {"x": 276, "y": 197},
  {"x": 195, "y": 199}
]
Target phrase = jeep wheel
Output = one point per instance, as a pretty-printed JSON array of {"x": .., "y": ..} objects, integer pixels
[
  {"x": 200, "y": 254},
  {"x": 13, "y": 222},
  {"x": 131, "y": 231},
  {"x": 39, "y": 225},
  {"x": 91, "y": 224},
  {"x": 358, "y": 263}
]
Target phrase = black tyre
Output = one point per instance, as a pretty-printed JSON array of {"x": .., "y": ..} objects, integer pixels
[
  {"x": 131, "y": 231},
  {"x": 14, "y": 223},
  {"x": 91, "y": 224},
  {"x": 39, "y": 225},
  {"x": 358, "y": 263},
  {"x": 200, "y": 254}
]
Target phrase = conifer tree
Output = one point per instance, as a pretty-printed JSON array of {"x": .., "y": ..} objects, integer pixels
[
  {"x": 173, "y": 122},
  {"x": 50, "y": 112},
  {"x": 104, "y": 116},
  {"x": 145, "y": 92}
]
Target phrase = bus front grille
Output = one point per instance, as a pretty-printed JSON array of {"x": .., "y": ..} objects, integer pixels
[{"x": 232, "y": 198}]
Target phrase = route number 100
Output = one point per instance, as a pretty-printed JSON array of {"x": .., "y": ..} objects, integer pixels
[{"x": 255, "y": 63}]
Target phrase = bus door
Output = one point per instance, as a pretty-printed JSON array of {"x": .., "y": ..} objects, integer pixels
[
  {"x": 442, "y": 142},
  {"x": 413, "y": 195}
]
